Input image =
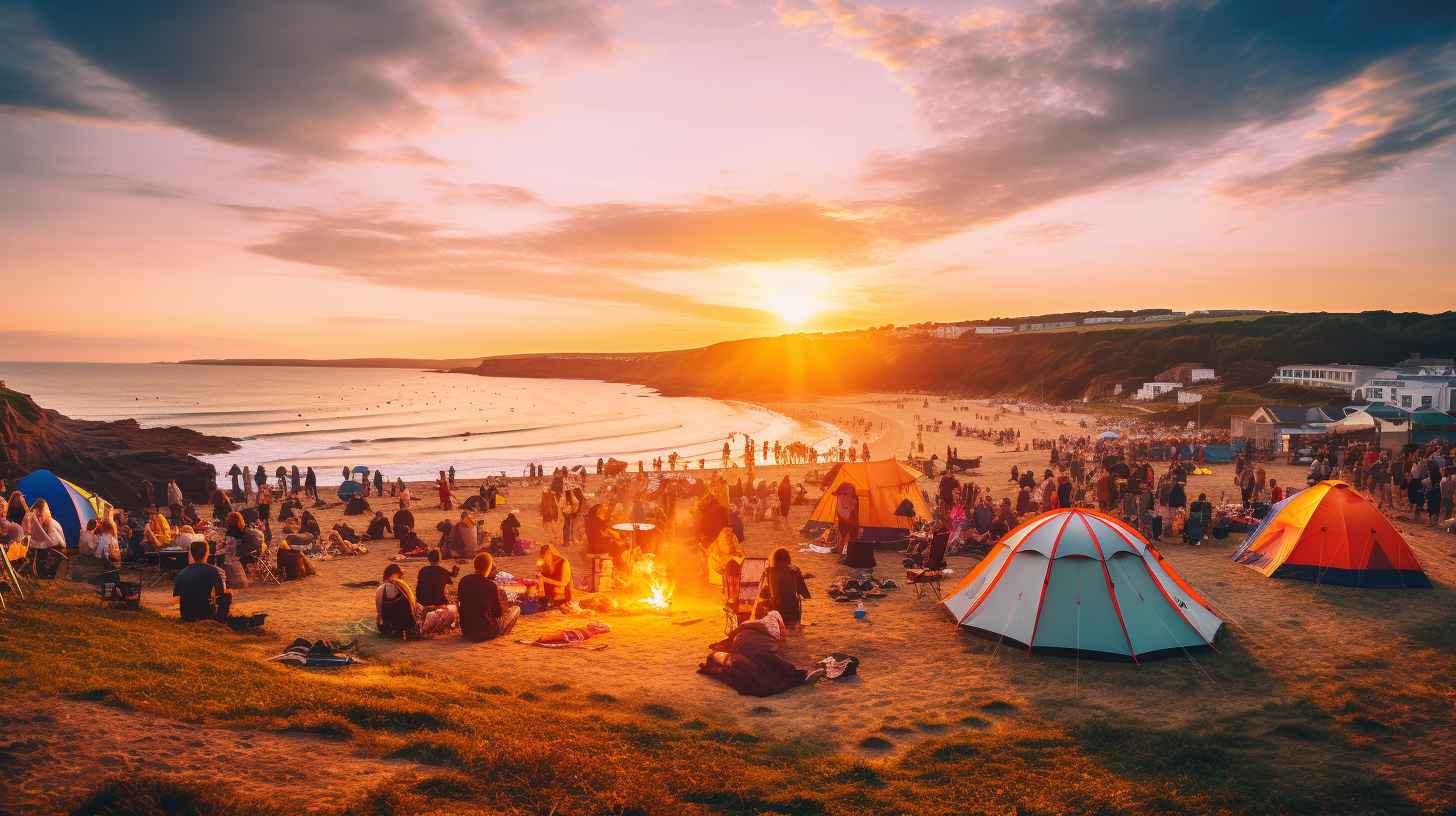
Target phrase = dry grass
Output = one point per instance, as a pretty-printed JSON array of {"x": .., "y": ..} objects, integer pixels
[{"x": 559, "y": 749}]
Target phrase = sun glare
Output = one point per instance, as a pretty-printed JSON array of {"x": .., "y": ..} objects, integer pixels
[{"x": 794, "y": 296}]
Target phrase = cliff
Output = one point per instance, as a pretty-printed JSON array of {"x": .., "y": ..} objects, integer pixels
[
  {"x": 1050, "y": 366},
  {"x": 112, "y": 458}
]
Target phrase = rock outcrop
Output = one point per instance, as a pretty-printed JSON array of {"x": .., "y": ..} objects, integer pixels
[{"x": 115, "y": 459}]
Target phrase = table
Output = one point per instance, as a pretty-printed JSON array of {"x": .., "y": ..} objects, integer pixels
[{"x": 638, "y": 529}]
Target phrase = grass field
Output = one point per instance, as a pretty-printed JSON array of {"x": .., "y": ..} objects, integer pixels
[{"x": 493, "y": 747}]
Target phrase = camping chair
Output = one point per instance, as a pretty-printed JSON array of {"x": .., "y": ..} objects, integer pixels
[
  {"x": 16, "y": 552},
  {"x": 931, "y": 572},
  {"x": 262, "y": 567},
  {"x": 741, "y": 583}
]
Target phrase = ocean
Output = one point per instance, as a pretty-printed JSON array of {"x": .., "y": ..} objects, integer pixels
[{"x": 410, "y": 424}]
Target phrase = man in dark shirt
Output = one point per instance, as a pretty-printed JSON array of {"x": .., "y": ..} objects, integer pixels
[
  {"x": 403, "y": 520},
  {"x": 484, "y": 614},
  {"x": 200, "y": 589},
  {"x": 432, "y": 580}
]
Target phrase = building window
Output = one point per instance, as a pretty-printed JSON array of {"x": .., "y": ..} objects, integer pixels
[
  {"x": 1425, "y": 402},
  {"x": 1376, "y": 393},
  {"x": 1405, "y": 401}
]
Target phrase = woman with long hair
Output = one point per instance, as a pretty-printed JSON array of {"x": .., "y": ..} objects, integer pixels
[
  {"x": 555, "y": 575},
  {"x": 18, "y": 509}
]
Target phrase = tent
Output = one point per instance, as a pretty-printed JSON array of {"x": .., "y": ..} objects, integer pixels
[
  {"x": 881, "y": 487},
  {"x": 1109, "y": 435},
  {"x": 1428, "y": 424},
  {"x": 1080, "y": 580},
  {"x": 1330, "y": 534},
  {"x": 71, "y": 506}
]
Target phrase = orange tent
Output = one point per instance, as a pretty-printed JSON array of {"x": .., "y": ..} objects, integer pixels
[{"x": 1330, "y": 534}]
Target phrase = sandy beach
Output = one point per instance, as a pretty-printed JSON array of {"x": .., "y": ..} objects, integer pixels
[{"x": 1366, "y": 660}]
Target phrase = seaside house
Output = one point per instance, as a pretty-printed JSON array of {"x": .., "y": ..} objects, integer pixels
[
  {"x": 1330, "y": 376},
  {"x": 1274, "y": 426},
  {"x": 1409, "y": 392},
  {"x": 1153, "y": 390},
  {"x": 1186, "y": 373}
]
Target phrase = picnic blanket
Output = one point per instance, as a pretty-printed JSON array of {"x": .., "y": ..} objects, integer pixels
[
  {"x": 317, "y": 654},
  {"x": 566, "y": 638}
]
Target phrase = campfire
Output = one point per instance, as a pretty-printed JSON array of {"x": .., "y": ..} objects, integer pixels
[{"x": 659, "y": 590}]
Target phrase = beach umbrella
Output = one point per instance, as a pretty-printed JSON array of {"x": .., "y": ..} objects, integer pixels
[
  {"x": 1109, "y": 435},
  {"x": 1083, "y": 581}
]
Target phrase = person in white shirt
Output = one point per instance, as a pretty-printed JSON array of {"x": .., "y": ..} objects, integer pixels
[
  {"x": 104, "y": 543},
  {"x": 47, "y": 540},
  {"x": 86, "y": 542},
  {"x": 44, "y": 531}
]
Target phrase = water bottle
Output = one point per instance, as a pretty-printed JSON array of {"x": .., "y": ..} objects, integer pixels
[{"x": 860, "y": 611}]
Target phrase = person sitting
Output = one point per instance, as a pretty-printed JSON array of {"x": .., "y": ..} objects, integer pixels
[
  {"x": 430, "y": 584},
  {"x": 484, "y": 613},
  {"x": 782, "y": 588},
  {"x": 86, "y": 542},
  {"x": 221, "y": 507},
  {"x": 378, "y": 528},
  {"x": 554, "y": 575},
  {"x": 292, "y": 564},
  {"x": 158, "y": 533},
  {"x": 105, "y": 546},
  {"x": 462, "y": 540},
  {"x": 510, "y": 533},
  {"x": 308, "y": 524},
  {"x": 200, "y": 588},
  {"x": 396, "y": 612},
  {"x": 748, "y": 659},
  {"x": 346, "y": 532},
  {"x": 298, "y": 540},
  {"x": 409, "y": 542},
  {"x": 403, "y": 520}
]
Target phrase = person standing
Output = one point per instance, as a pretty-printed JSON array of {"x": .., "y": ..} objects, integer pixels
[
  {"x": 443, "y": 486},
  {"x": 310, "y": 484}
]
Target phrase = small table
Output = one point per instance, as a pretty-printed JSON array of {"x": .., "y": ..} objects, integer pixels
[{"x": 638, "y": 531}]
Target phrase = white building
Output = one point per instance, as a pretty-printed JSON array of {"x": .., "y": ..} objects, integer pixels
[
  {"x": 1199, "y": 375},
  {"x": 1097, "y": 321},
  {"x": 949, "y": 332},
  {"x": 1155, "y": 318},
  {"x": 1153, "y": 390},
  {"x": 994, "y": 329},
  {"x": 1333, "y": 376},
  {"x": 1056, "y": 324},
  {"x": 1409, "y": 391},
  {"x": 1189, "y": 397}
]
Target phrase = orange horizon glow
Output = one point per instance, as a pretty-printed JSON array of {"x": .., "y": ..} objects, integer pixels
[{"x": 433, "y": 182}]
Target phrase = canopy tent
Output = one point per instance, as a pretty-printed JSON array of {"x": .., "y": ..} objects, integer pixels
[
  {"x": 881, "y": 488},
  {"x": 1428, "y": 424},
  {"x": 1330, "y": 534},
  {"x": 71, "y": 505},
  {"x": 1080, "y": 580},
  {"x": 1109, "y": 435}
]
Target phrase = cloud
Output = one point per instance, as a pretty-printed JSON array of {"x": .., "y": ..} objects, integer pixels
[
  {"x": 305, "y": 77},
  {"x": 1404, "y": 107},
  {"x": 1071, "y": 98},
  {"x": 1049, "y": 232},
  {"x": 496, "y": 195},
  {"x": 378, "y": 247},
  {"x": 891, "y": 38}
]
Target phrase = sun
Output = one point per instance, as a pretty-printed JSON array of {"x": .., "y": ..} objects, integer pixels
[{"x": 793, "y": 296}]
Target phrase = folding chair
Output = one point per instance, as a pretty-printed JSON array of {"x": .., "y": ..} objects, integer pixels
[
  {"x": 928, "y": 576},
  {"x": 18, "y": 551},
  {"x": 741, "y": 583},
  {"x": 263, "y": 570}
]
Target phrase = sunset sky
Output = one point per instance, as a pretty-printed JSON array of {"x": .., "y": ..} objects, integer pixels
[{"x": 464, "y": 177}]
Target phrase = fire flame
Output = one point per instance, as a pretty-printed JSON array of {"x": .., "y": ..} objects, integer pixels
[{"x": 660, "y": 591}]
